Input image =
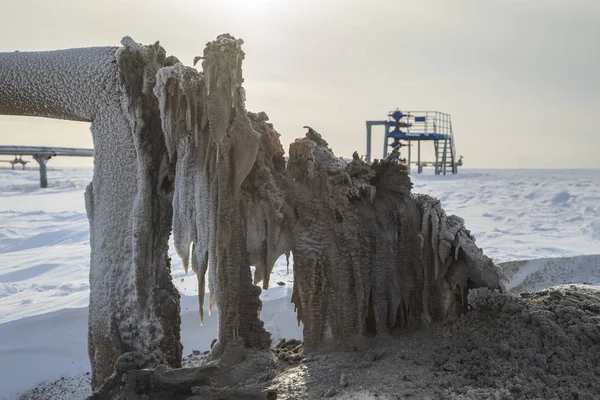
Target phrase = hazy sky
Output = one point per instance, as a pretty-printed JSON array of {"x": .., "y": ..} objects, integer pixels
[{"x": 521, "y": 79}]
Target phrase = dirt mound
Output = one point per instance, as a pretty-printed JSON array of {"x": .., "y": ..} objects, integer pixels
[{"x": 540, "y": 345}]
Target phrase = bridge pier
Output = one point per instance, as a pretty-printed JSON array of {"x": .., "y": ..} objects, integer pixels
[{"x": 42, "y": 160}]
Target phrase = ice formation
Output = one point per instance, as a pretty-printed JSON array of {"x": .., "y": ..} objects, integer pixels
[
  {"x": 369, "y": 256},
  {"x": 133, "y": 304},
  {"x": 218, "y": 218}
]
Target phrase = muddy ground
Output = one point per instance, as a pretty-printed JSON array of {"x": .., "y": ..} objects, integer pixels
[{"x": 543, "y": 345}]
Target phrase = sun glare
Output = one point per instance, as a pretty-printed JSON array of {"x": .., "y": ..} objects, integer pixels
[{"x": 255, "y": 7}]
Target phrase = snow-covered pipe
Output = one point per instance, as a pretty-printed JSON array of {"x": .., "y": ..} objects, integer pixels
[
  {"x": 64, "y": 84},
  {"x": 133, "y": 303}
]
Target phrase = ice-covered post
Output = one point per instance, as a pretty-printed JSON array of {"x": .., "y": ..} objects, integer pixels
[
  {"x": 133, "y": 304},
  {"x": 210, "y": 135},
  {"x": 42, "y": 160}
]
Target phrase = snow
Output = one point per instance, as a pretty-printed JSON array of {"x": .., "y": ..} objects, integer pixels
[
  {"x": 44, "y": 261},
  {"x": 543, "y": 272},
  {"x": 523, "y": 214}
]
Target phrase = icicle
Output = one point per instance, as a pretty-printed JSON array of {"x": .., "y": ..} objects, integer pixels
[
  {"x": 188, "y": 115},
  {"x": 425, "y": 220},
  {"x": 275, "y": 226},
  {"x": 456, "y": 250},
  {"x": 435, "y": 232},
  {"x": 443, "y": 221},
  {"x": 422, "y": 241},
  {"x": 196, "y": 136},
  {"x": 458, "y": 244},
  {"x": 207, "y": 155},
  {"x": 445, "y": 249},
  {"x": 186, "y": 261},
  {"x": 207, "y": 80},
  {"x": 259, "y": 272}
]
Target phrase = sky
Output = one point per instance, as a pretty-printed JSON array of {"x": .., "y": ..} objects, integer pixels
[{"x": 520, "y": 78}]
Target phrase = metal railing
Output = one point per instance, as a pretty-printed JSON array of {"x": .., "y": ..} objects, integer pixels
[{"x": 427, "y": 122}]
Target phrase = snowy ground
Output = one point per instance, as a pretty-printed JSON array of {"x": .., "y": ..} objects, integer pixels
[
  {"x": 44, "y": 260},
  {"x": 523, "y": 214}
]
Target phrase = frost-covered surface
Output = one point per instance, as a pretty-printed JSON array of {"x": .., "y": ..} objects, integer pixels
[
  {"x": 137, "y": 309},
  {"x": 134, "y": 304},
  {"x": 371, "y": 257},
  {"x": 208, "y": 132},
  {"x": 67, "y": 84},
  {"x": 40, "y": 227}
]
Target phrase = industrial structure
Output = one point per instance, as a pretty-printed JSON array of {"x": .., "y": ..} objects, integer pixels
[
  {"x": 42, "y": 155},
  {"x": 403, "y": 128}
]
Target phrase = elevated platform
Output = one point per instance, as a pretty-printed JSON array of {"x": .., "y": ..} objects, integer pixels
[
  {"x": 404, "y": 127},
  {"x": 42, "y": 154}
]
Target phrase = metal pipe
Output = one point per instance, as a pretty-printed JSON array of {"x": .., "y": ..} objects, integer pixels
[
  {"x": 368, "y": 142},
  {"x": 385, "y": 141}
]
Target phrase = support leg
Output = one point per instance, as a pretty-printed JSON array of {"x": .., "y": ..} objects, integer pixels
[
  {"x": 385, "y": 141},
  {"x": 368, "y": 143},
  {"x": 42, "y": 160},
  {"x": 409, "y": 156},
  {"x": 436, "y": 147},
  {"x": 420, "y": 168}
]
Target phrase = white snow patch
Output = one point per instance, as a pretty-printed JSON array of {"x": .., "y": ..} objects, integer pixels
[
  {"x": 593, "y": 227},
  {"x": 561, "y": 197},
  {"x": 523, "y": 214}
]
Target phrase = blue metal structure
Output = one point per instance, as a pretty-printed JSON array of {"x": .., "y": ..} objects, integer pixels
[{"x": 402, "y": 128}]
